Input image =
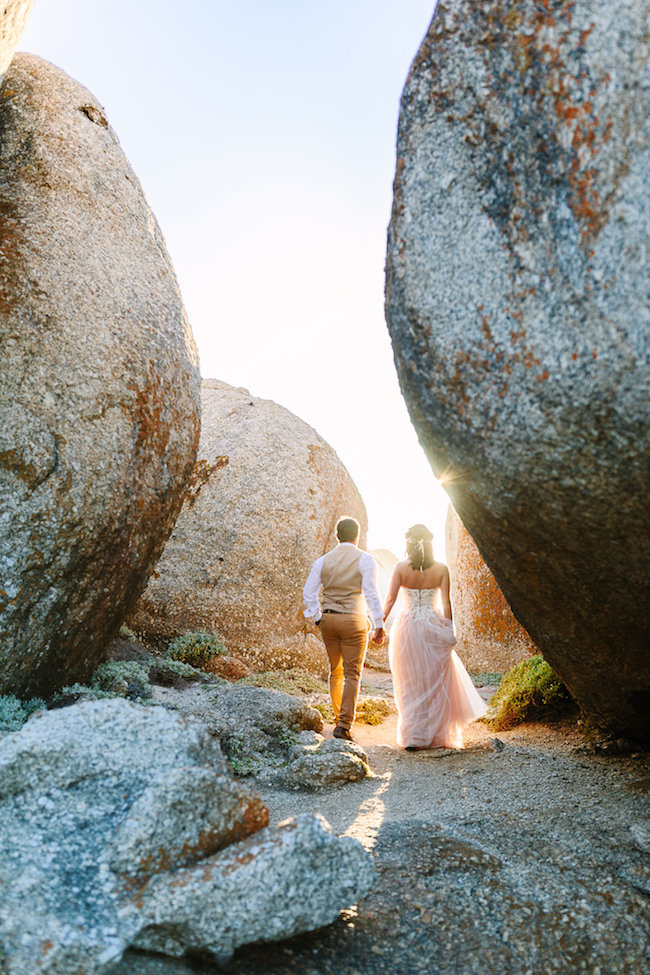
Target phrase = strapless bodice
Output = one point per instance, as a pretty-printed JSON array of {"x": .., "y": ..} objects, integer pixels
[{"x": 419, "y": 600}]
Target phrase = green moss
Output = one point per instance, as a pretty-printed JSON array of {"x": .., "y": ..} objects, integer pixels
[
  {"x": 530, "y": 691},
  {"x": 243, "y": 766},
  {"x": 287, "y": 737},
  {"x": 293, "y": 681},
  {"x": 196, "y": 648}
]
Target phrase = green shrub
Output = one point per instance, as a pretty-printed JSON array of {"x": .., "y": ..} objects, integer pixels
[
  {"x": 176, "y": 667},
  {"x": 196, "y": 648},
  {"x": 14, "y": 712},
  {"x": 528, "y": 692},
  {"x": 123, "y": 678},
  {"x": 373, "y": 710}
]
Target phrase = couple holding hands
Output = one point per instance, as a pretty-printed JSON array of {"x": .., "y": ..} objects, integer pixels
[{"x": 434, "y": 694}]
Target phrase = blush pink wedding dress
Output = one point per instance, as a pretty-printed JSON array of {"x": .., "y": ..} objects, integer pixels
[{"x": 434, "y": 693}]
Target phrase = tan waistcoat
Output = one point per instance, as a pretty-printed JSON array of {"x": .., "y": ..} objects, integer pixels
[{"x": 341, "y": 579}]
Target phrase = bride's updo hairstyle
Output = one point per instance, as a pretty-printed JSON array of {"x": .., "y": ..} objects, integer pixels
[{"x": 419, "y": 547}]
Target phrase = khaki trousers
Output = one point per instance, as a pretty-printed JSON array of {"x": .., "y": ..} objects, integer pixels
[{"x": 346, "y": 641}]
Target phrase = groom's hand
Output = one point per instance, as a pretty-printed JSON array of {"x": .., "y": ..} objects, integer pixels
[{"x": 379, "y": 635}]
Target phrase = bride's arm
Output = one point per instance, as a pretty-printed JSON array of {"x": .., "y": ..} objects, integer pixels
[
  {"x": 393, "y": 590},
  {"x": 444, "y": 595}
]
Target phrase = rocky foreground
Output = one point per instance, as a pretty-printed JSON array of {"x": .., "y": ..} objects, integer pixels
[{"x": 527, "y": 852}]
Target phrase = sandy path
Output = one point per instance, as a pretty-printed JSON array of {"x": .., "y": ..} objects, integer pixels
[{"x": 516, "y": 856}]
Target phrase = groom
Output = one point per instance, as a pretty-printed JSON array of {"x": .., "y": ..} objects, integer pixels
[{"x": 348, "y": 577}]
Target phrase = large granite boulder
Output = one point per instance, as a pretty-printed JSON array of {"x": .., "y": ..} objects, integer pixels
[
  {"x": 265, "y": 498},
  {"x": 13, "y": 17},
  {"x": 121, "y": 826},
  {"x": 488, "y": 637},
  {"x": 99, "y": 402},
  {"x": 517, "y": 300}
]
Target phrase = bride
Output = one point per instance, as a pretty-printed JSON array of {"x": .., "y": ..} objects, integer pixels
[{"x": 434, "y": 694}]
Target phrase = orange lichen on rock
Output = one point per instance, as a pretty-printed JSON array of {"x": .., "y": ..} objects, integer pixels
[{"x": 489, "y": 637}]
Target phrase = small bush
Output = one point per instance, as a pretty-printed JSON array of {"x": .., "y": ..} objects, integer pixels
[
  {"x": 373, "y": 710},
  {"x": 126, "y": 633},
  {"x": 126, "y": 678},
  {"x": 114, "y": 678},
  {"x": 14, "y": 712},
  {"x": 196, "y": 648},
  {"x": 528, "y": 692},
  {"x": 164, "y": 671}
]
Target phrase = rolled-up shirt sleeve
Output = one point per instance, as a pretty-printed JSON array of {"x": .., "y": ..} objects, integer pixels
[
  {"x": 368, "y": 569},
  {"x": 311, "y": 592}
]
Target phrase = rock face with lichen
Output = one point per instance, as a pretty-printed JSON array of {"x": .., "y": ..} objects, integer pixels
[
  {"x": 13, "y": 19},
  {"x": 99, "y": 399},
  {"x": 126, "y": 828},
  {"x": 488, "y": 637},
  {"x": 517, "y": 300},
  {"x": 263, "y": 503}
]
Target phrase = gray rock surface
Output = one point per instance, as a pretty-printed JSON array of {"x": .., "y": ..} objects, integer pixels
[
  {"x": 281, "y": 882},
  {"x": 94, "y": 800},
  {"x": 517, "y": 300},
  {"x": 330, "y": 762},
  {"x": 113, "y": 823},
  {"x": 13, "y": 19},
  {"x": 99, "y": 401},
  {"x": 249, "y": 532},
  {"x": 256, "y": 726}
]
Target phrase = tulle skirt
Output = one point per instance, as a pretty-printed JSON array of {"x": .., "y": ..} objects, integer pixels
[{"x": 434, "y": 693}]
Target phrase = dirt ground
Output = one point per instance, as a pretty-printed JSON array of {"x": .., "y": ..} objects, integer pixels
[{"x": 525, "y": 853}]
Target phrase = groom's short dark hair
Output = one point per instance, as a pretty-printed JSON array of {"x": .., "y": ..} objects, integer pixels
[{"x": 347, "y": 529}]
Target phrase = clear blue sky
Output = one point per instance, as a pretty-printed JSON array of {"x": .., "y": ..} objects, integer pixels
[{"x": 264, "y": 137}]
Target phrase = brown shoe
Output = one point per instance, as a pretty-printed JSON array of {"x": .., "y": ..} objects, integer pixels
[{"x": 344, "y": 733}]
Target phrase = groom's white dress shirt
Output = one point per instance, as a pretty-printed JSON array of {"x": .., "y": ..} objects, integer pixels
[{"x": 368, "y": 570}]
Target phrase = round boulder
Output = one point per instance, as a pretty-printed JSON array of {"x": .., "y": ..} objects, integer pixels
[
  {"x": 517, "y": 300},
  {"x": 13, "y": 18},
  {"x": 262, "y": 505},
  {"x": 488, "y": 637},
  {"x": 99, "y": 402}
]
